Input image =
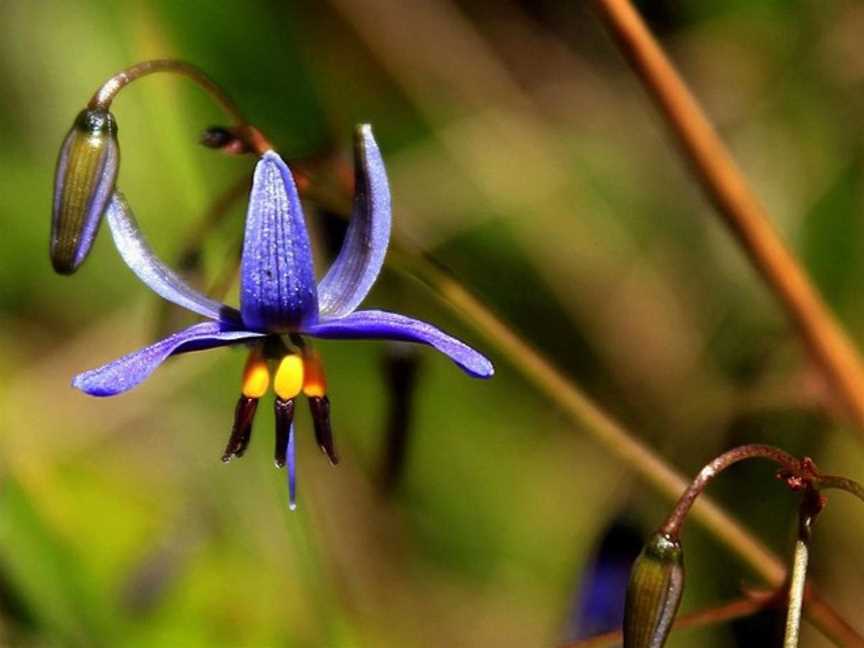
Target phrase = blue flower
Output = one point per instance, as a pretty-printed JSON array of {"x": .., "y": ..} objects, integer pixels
[{"x": 280, "y": 303}]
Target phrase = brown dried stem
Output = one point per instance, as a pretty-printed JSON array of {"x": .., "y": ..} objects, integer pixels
[{"x": 828, "y": 344}]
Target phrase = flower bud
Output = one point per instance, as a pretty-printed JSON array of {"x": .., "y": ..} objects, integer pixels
[
  {"x": 654, "y": 592},
  {"x": 83, "y": 184}
]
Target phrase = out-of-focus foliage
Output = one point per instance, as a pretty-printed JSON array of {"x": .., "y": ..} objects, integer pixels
[{"x": 525, "y": 157}]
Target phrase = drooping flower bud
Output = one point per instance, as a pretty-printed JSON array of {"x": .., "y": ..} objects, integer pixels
[
  {"x": 654, "y": 592},
  {"x": 83, "y": 184}
]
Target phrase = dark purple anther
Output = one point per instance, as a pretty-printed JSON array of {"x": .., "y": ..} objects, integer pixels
[
  {"x": 284, "y": 410},
  {"x": 241, "y": 433},
  {"x": 320, "y": 408}
]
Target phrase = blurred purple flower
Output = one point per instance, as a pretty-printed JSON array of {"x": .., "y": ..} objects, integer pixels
[{"x": 278, "y": 299}]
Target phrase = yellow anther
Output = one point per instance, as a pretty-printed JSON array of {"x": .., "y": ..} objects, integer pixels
[
  {"x": 289, "y": 377},
  {"x": 256, "y": 376},
  {"x": 314, "y": 381}
]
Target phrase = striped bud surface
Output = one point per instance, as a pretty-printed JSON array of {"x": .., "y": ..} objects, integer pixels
[
  {"x": 654, "y": 592},
  {"x": 83, "y": 184}
]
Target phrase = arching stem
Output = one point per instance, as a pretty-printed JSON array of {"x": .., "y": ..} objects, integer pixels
[
  {"x": 109, "y": 90},
  {"x": 672, "y": 525}
]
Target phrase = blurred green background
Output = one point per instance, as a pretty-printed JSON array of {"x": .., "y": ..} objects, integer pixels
[{"x": 524, "y": 156}]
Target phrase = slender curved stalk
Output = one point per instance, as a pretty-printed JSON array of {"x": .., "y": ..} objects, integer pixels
[
  {"x": 109, "y": 90},
  {"x": 672, "y": 525},
  {"x": 828, "y": 344}
]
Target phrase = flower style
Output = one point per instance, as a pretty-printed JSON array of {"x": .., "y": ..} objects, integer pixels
[{"x": 280, "y": 304}]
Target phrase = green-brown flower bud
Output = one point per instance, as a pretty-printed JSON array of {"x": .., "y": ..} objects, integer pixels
[
  {"x": 83, "y": 184},
  {"x": 654, "y": 592}
]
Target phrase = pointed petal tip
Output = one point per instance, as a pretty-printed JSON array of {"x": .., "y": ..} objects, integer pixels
[
  {"x": 292, "y": 505},
  {"x": 79, "y": 383},
  {"x": 484, "y": 369},
  {"x": 83, "y": 382},
  {"x": 272, "y": 156}
]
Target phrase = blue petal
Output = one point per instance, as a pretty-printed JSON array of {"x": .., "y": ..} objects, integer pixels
[
  {"x": 139, "y": 256},
  {"x": 378, "y": 325},
  {"x": 277, "y": 284},
  {"x": 352, "y": 274},
  {"x": 125, "y": 373}
]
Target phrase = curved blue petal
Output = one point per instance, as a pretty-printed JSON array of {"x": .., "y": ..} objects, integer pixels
[
  {"x": 139, "y": 256},
  {"x": 127, "y": 372},
  {"x": 277, "y": 280},
  {"x": 381, "y": 325},
  {"x": 352, "y": 274}
]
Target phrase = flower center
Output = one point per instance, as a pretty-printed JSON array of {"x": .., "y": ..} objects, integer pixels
[{"x": 291, "y": 371}]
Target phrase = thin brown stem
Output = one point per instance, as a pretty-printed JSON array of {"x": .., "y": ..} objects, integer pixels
[
  {"x": 830, "y": 623},
  {"x": 737, "y": 609},
  {"x": 673, "y": 524},
  {"x": 109, "y": 90},
  {"x": 842, "y": 483},
  {"x": 828, "y": 344}
]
